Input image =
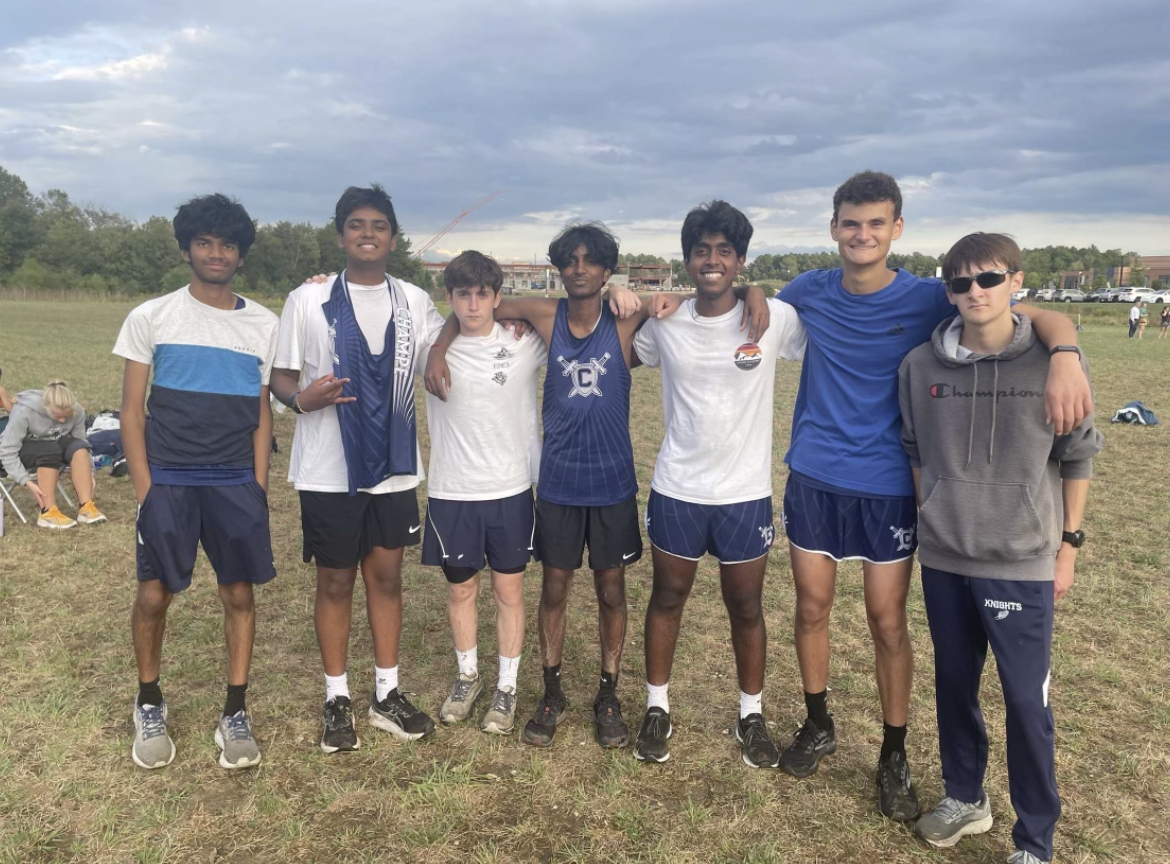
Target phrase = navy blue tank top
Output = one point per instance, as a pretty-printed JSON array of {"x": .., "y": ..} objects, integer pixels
[{"x": 586, "y": 459}]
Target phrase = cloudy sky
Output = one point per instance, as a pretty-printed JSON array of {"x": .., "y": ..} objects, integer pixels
[{"x": 1046, "y": 118}]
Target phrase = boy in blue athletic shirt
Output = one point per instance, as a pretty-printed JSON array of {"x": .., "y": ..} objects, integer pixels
[
  {"x": 850, "y": 495},
  {"x": 198, "y": 451}
]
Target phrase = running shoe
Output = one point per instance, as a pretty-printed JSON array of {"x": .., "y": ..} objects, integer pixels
[
  {"x": 1021, "y": 856},
  {"x": 897, "y": 799},
  {"x": 607, "y": 718},
  {"x": 952, "y": 820},
  {"x": 549, "y": 714},
  {"x": 54, "y": 518},
  {"x": 337, "y": 728},
  {"x": 464, "y": 693},
  {"x": 89, "y": 514},
  {"x": 758, "y": 750},
  {"x": 500, "y": 718},
  {"x": 653, "y": 740},
  {"x": 808, "y": 747},
  {"x": 153, "y": 747},
  {"x": 237, "y": 744},
  {"x": 399, "y": 717}
]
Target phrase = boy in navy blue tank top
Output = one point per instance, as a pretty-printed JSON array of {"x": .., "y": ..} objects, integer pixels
[{"x": 850, "y": 494}]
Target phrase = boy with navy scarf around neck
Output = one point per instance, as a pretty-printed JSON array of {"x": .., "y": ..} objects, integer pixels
[{"x": 345, "y": 364}]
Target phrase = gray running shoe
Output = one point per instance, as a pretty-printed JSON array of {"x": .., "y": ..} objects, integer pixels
[
  {"x": 464, "y": 693},
  {"x": 237, "y": 744},
  {"x": 952, "y": 820},
  {"x": 1021, "y": 856},
  {"x": 500, "y": 718},
  {"x": 153, "y": 747}
]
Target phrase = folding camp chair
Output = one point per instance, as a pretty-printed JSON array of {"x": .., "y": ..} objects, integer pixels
[{"x": 7, "y": 484}]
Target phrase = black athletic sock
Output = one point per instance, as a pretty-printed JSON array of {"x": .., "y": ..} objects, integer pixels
[
  {"x": 149, "y": 693},
  {"x": 817, "y": 705},
  {"x": 552, "y": 680},
  {"x": 893, "y": 741},
  {"x": 608, "y": 681},
  {"x": 235, "y": 699}
]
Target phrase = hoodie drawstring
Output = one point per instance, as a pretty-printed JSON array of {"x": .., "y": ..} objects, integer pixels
[
  {"x": 994, "y": 403},
  {"x": 974, "y": 399}
]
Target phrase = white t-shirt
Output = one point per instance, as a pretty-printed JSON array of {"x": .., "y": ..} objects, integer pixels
[
  {"x": 1135, "y": 312},
  {"x": 317, "y": 461},
  {"x": 485, "y": 442},
  {"x": 717, "y": 401}
]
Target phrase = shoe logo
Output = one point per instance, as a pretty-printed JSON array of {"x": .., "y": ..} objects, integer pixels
[
  {"x": 905, "y": 538},
  {"x": 768, "y": 534},
  {"x": 414, "y": 529},
  {"x": 628, "y": 557}
]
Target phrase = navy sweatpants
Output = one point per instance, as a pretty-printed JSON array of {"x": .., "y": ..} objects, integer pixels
[{"x": 1016, "y": 619}]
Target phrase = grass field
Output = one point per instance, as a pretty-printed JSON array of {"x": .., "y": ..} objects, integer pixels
[{"x": 69, "y": 792}]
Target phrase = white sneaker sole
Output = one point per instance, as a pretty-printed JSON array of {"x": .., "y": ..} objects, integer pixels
[
  {"x": 971, "y": 828},
  {"x": 493, "y": 728},
  {"x": 41, "y": 523},
  {"x": 85, "y": 520},
  {"x": 223, "y": 763}
]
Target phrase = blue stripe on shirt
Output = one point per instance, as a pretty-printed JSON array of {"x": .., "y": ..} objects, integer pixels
[{"x": 204, "y": 369}]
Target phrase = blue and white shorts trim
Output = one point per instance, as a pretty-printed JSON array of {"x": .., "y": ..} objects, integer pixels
[
  {"x": 848, "y": 527},
  {"x": 470, "y": 534},
  {"x": 732, "y": 533}
]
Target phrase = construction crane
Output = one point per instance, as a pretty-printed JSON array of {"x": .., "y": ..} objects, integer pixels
[{"x": 418, "y": 253}]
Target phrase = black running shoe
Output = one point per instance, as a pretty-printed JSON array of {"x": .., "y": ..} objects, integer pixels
[
  {"x": 550, "y": 713},
  {"x": 758, "y": 750},
  {"x": 652, "y": 744},
  {"x": 338, "y": 732},
  {"x": 607, "y": 716},
  {"x": 897, "y": 799},
  {"x": 399, "y": 717},
  {"x": 810, "y": 745}
]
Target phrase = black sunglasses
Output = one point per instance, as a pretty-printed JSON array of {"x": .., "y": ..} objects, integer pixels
[{"x": 986, "y": 279}]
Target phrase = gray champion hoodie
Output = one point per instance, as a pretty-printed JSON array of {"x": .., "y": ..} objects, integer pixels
[
  {"x": 30, "y": 419},
  {"x": 991, "y": 469}
]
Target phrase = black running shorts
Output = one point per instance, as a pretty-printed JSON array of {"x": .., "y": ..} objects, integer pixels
[
  {"x": 340, "y": 529},
  {"x": 612, "y": 534}
]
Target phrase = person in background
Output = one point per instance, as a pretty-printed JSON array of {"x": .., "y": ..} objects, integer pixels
[
  {"x": 1165, "y": 322},
  {"x": 45, "y": 434}
]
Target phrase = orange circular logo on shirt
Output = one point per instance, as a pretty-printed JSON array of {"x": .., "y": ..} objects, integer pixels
[{"x": 748, "y": 356}]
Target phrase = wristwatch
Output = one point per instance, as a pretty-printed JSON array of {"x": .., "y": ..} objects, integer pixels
[
  {"x": 1075, "y": 539},
  {"x": 1055, "y": 349}
]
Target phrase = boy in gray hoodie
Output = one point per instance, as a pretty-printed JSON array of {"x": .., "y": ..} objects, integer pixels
[{"x": 1000, "y": 504}]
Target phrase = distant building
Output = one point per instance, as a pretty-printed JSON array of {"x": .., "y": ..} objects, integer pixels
[{"x": 1156, "y": 267}]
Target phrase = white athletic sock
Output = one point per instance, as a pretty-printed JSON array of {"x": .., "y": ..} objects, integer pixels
[
  {"x": 750, "y": 704},
  {"x": 656, "y": 697},
  {"x": 509, "y": 667},
  {"x": 385, "y": 680},
  {"x": 336, "y": 685},
  {"x": 468, "y": 661}
]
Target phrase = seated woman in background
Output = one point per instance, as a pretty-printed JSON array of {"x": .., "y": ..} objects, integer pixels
[{"x": 45, "y": 433}]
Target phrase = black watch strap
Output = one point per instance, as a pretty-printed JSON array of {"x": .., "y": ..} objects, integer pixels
[
  {"x": 1075, "y": 539},
  {"x": 1056, "y": 349}
]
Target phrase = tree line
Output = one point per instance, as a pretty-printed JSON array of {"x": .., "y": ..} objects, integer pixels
[{"x": 51, "y": 242}]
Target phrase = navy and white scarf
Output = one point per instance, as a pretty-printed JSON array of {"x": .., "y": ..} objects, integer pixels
[{"x": 378, "y": 431}]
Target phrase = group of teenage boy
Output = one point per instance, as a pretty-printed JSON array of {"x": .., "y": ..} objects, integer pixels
[{"x": 967, "y": 437}]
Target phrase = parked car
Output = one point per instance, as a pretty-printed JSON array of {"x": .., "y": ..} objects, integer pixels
[
  {"x": 1161, "y": 296},
  {"x": 1045, "y": 295},
  {"x": 1136, "y": 295},
  {"x": 1069, "y": 295},
  {"x": 1022, "y": 294},
  {"x": 1097, "y": 295}
]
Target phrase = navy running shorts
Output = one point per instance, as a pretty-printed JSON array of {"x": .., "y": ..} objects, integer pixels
[
  {"x": 849, "y": 527},
  {"x": 733, "y": 533},
  {"x": 611, "y": 533},
  {"x": 341, "y": 529},
  {"x": 463, "y": 536},
  {"x": 230, "y": 521}
]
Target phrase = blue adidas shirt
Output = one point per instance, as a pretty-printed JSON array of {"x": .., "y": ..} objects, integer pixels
[{"x": 846, "y": 423}]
